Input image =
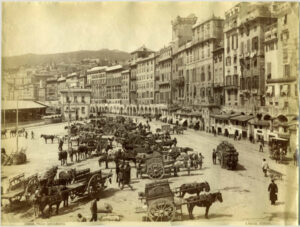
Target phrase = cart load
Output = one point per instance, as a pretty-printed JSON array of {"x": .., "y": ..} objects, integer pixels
[{"x": 227, "y": 155}]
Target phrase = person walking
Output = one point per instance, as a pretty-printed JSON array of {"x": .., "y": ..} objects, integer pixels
[
  {"x": 189, "y": 163},
  {"x": 26, "y": 134},
  {"x": 126, "y": 176},
  {"x": 273, "y": 190},
  {"x": 265, "y": 167},
  {"x": 120, "y": 175},
  {"x": 94, "y": 209},
  {"x": 117, "y": 171},
  {"x": 214, "y": 156},
  {"x": 261, "y": 147},
  {"x": 201, "y": 157},
  {"x": 60, "y": 145},
  {"x": 32, "y": 135}
]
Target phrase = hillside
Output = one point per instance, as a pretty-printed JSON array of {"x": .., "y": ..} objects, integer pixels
[{"x": 68, "y": 57}]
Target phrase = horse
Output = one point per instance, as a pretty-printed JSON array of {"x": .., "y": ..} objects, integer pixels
[
  {"x": 3, "y": 132},
  {"x": 166, "y": 143},
  {"x": 67, "y": 176},
  {"x": 21, "y": 132},
  {"x": 13, "y": 132},
  {"x": 54, "y": 197},
  {"x": 203, "y": 201},
  {"x": 193, "y": 188},
  {"x": 46, "y": 137}
]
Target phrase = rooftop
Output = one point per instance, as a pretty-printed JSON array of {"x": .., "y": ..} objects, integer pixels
[
  {"x": 12, "y": 105},
  {"x": 115, "y": 67},
  {"x": 142, "y": 49},
  {"x": 98, "y": 68},
  {"x": 79, "y": 90}
]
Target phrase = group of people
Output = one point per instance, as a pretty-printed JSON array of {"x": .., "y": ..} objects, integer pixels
[
  {"x": 123, "y": 173},
  {"x": 26, "y": 134}
]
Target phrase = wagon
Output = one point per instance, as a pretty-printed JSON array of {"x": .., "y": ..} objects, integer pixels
[
  {"x": 87, "y": 182},
  {"x": 20, "y": 186},
  {"x": 156, "y": 166},
  {"x": 227, "y": 155},
  {"x": 160, "y": 201}
]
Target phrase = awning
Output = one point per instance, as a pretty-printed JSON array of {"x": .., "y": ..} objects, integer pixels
[
  {"x": 182, "y": 121},
  {"x": 242, "y": 118},
  {"x": 196, "y": 114},
  {"x": 224, "y": 116},
  {"x": 284, "y": 90},
  {"x": 261, "y": 123},
  {"x": 12, "y": 105}
]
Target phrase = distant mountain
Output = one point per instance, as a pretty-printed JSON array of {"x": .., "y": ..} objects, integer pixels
[{"x": 68, "y": 57}]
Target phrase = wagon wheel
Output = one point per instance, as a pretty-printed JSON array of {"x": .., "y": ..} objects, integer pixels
[
  {"x": 31, "y": 187},
  {"x": 162, "y": 210},
  {"x": 155, "y": 170},
  {"x": 94, "y": 185}
]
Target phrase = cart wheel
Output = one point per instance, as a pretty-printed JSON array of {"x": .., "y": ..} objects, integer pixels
[
  {"x": 155, "y": 170},
  {"x": 162, "y": 210},
  {"x": 94, "y": 185},
  {"x": 31, "y": 187}
]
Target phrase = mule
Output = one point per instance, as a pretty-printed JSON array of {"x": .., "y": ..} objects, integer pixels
[{"x": 203, "y": 201}]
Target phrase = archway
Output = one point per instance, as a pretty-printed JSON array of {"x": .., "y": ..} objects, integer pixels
[
  {"x": 267, "y": 117},
  {"x": 282, "y": 118}
]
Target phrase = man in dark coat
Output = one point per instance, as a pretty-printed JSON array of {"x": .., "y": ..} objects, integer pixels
[
  {"x": 273, "y": 190},
  {"x": 214, "y": 156},
  {"x": 94, "y": 210},
  {"x": 126, "y": 176},
  {"x": 61, "y": 143}
]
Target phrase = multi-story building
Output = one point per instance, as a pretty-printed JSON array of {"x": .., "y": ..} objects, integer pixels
[
  {"x": 146, "y": 80},
  {"x": 82, "y": 79},
  {"x": 51, "y": 89},
  {"x": 182, "y": 33},
  {"x": 75, "y": 103},
  {"x": 113, "y": 84},
  {"x": 90, "y": 72},
  {"x": 72, "y": 80},
  {"x": 125, "y": 87},
  {"x": 281, "y": 60},
  {"x": 207, "y": 36},
  {"x": 98, "y": 85},
  {"x": 218, "y": 75},
  {"x": 61, "y": 85},
  {"x": 164, "y": 73}
]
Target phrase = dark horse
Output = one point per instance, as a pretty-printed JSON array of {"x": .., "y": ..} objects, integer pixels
[
  {"x": 193, "y": 188},
  {"x": 46, "y": 137},
  {"x": 203, "y": 201},
  {"x": 3, "y": 132},
  {"x": 13, "y": 132}
]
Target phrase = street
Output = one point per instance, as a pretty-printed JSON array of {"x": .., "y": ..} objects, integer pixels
[{"x": 244, "y": 191}]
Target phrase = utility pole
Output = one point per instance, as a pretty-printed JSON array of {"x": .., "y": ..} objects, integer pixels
[{"x": 69, "y": 117}]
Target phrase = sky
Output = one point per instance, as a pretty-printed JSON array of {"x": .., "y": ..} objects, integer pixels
[{"x": 55, "y": 27}]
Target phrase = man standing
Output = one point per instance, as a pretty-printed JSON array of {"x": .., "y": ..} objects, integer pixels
[
  {"x": 261, "y": 147},
  {"x": 61, "y": 143},
  {"x": 265, "y": 167},
  {"x": 214, "y": 156},
  {"x": 32, "y": 135},
  {"x": 273, "y": 190},
  {"x": 94, "y": 209},
  {"x": 126, "y": 176},
  {"x": 201, "y": 157},
  {"x": 26, "y": 134}
]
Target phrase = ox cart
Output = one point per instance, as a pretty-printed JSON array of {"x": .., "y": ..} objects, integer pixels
[
  {"x": 227, "y": 155},
  {"x": 85, "y": 181},
  {"x": 19, "y": 187}
]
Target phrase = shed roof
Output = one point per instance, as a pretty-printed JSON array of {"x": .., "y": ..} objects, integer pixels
[{"x": 12, "y": 105}]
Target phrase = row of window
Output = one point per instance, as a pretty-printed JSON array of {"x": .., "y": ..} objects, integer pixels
[{"x": 145, "y": 77}]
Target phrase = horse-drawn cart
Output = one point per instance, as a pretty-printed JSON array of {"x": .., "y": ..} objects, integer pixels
[
  {"x": 20, "y": 186},
  {"x": 155, "y": 166},
  {"x": 85, "y": 181},
  {"x": 227, "y": 155}
]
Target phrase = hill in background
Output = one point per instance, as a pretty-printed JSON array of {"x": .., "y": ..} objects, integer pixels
[{"x": 69, "y": 57}]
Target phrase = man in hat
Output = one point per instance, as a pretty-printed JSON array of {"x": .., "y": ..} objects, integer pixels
[
  {"x": 265, "y": 167},
  {"x": 273, "y": 190}
]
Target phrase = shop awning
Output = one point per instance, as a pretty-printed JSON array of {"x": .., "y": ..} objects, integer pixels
[
  {"x": 224, "y": 116},
  {"x": 242, "y": 118},
  {"x": 22, "y": 105}
]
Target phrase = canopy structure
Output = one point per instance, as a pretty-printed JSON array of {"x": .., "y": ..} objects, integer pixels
[
  {"x": 182, "y": 121},
  {"x": 22, "y": 105},
  {"x": 242, "y": 118},
  {"x": 225, "y": 116}
]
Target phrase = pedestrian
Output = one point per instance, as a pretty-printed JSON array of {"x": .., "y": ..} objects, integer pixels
[
  {"x": 61, "y": 143},
  {"x": 189, "y": 163},
  {"x": 273, "y": 190},
  {"x": 120, "y": 175},
  {"x": 201, "y": 157},
  {"x": 282, "y": 154},
  {"x": 126, "y": 176},
  {"x": 117, "y": 171},
  {"x": 26, "y": 134},
  {"x": 32, "y": 135},
  {"x": 265, "y": 167},
  {"x": 263, "y": 141},
  {"x": 214, "y": 156},
  {"x": 175, "y": 141},
  {"x": 94, "y": 209},
  {"x": 261, "y": 147}
]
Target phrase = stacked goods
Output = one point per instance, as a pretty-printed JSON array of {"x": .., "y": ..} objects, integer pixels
[{"x": 19, "y": 158}]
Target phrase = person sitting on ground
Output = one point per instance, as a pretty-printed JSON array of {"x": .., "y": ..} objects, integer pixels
[{"x": 80, "y": 218}]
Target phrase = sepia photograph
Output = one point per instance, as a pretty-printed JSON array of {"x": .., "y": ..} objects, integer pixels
[{"x": 149, "y": 113}]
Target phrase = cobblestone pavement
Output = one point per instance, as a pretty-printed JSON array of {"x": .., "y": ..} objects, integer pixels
[{"x": 245, "y": 194}]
